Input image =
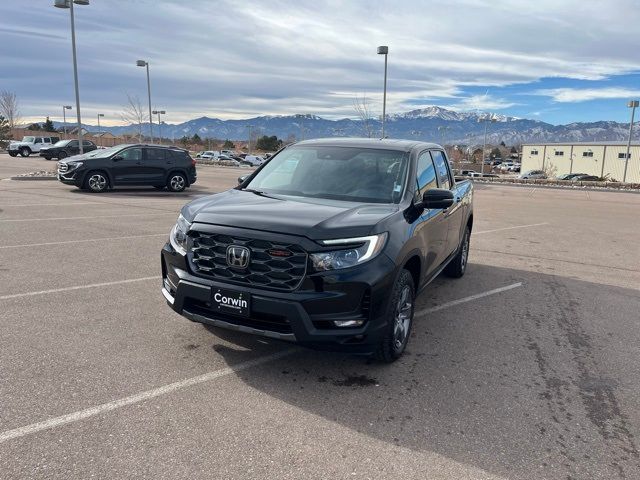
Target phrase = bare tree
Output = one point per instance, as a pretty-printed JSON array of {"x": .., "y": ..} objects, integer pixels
[
  {"x": 134, "y": 114},
  {"x": 9, "y": 108},
  {"x": 363, "y": 110}
]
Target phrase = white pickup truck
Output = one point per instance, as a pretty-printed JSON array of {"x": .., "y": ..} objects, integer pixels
[{"x": 30, "y": 144}]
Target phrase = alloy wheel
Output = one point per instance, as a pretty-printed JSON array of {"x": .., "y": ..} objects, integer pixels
[
  {"x": 97, "y": 182},
  {"x": 402, "y": 321},
  {"x": 177, "y": 183}
]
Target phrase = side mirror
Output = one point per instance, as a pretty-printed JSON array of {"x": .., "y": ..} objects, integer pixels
[
  {"x": 117, "y": 158},
  {"x": 437, "y": 198},
  {"x": 242, "y": 178}
]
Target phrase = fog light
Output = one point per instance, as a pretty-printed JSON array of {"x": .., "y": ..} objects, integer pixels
[{"x": 348, "y": 323}]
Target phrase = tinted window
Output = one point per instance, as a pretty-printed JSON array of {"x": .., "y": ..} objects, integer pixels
[
  {"x": 155, "y": 155},
  {"x": 38, "y": 140},
  {"x": 426, "y": 175},
  {"x": 441, "y": 168},
  {"x": 132, "y": 154},
  {"x": 87, "y": 143},
  {"x": 73, "y": 143}
]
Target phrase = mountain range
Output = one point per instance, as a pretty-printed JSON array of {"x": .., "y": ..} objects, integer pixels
[{"x": 435, "y": 124}]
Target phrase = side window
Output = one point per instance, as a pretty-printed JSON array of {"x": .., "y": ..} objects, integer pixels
[
  {"x": 73, "y": 144},
  {"x": 441, "y": 168},
  {"x": 38, "y": 140},
  {"x": 87, "y": 143},
  {"x": 425, "y": 175},
  {"x": 47, "y": 140},
  {"x": 155, "y": 155},
  {"x": 134, "y": 154}
]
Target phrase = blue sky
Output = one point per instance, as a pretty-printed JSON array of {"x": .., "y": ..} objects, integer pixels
[{"x": 556, "y": 61}]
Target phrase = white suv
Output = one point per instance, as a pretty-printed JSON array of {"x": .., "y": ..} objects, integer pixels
[{"x": 30, "y": 145}]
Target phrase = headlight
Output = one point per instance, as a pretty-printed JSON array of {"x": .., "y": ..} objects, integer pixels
[
  {"x": 366, "y": 248},
  {"x": 74, "y": 165},
  {"x": 178, "y": 236}
]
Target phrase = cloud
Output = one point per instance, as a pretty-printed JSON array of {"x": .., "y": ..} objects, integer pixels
[
  {"x": 234, "y": 59},
  {"x": 572, "y": 95}
]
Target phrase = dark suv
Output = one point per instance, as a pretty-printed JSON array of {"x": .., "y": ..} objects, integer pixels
[
  {"x": 130, "y": 165},
  {"x": 326, "y": 244},
  {"x": 66, "y": 148}
]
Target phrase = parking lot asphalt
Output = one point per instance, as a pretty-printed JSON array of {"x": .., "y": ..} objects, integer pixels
[{"x": 527, "y": 367}]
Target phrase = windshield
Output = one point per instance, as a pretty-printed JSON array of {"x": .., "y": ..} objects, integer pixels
[
  {"x": 104, "y": 152},
  {"x": 340, "y": 173},
  {"x": 61, "y": 143},
  {"x": 29, "y": 139}
]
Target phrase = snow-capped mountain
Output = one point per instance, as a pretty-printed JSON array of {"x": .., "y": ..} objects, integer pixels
[{"x": 433, "y": 123}]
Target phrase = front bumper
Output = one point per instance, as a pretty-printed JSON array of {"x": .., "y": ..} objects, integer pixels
[{"x": 305, "y": 316}]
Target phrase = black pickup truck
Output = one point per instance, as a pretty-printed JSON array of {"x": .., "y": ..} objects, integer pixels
[{"x": 327, "y": 244}]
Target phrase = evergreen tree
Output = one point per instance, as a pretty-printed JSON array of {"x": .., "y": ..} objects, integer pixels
[
  {"x": 228, "y": 144},
  {"x": 196, "y": 138},
  {"x": 268, "y": 143},
  {"x": 5, "y": 130},
  {"x": 184, "y": 141},
  {"x": 47, "y": 126}
]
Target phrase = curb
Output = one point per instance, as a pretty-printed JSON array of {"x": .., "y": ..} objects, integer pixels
[{"x": 40, "y": 178}]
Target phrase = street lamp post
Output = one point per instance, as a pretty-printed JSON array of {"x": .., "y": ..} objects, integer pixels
[
  {"x": 384, "y": 50},
  {"x": 250, "y": 132},
  {"x": 159, "y": 112},
  {"x": 633, "y": 104},
  {"x": 69, "y": 4},
  {"x": 99, "y": 115},
  {"x": 144, "y": 63},
  {"x": 64, "y": 119},
  {"x": 486, "y": 119}
]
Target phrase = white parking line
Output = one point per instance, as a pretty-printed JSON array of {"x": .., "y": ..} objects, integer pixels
[
  {"x": 47, "y": 204},
  {"x": 172, "y": 387},
  {"x": 139, "y": 397},
  {"x": 82, "y": 241},
  {"x": 468, "y": 299},
  {"x": 92, "y": 217},
  {"x": 78, "y": 287},
  {"x": 511, "y": 228}
]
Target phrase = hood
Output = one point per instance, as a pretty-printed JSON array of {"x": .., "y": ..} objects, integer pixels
[
  {"x": 85, "y": 157},
  {"x": 313, "y": 218}
]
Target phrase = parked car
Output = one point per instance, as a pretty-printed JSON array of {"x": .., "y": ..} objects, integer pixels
[
  {"x": 130, "y": 165},
  {"x": 326, "y": 245},
  {"x": 586, "y": 178},
  {"x": 569, "y": 176},
  {"x": 533, "y": 174},
  {"x": 228, "y": 153},
  {"x": 30, "y": 144},
  {"x": 254, "y": 160},
  {"x": 209, "y": 154},
  {"x": 66, "y": 148}
]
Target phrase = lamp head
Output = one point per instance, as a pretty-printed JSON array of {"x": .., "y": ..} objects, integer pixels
[
  {"x": 633, "y": 104},
  {"x": 141, "y": 63},
  {"x": 67, "y": 107},
  {"x": 383, "y": 50}
]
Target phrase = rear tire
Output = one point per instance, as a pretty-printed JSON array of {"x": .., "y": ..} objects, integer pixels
[
  {"x": 25, "y": 152},
  {"x": 13, "y": 154},
  {"x": 458, "y": 265},
  {"x": 399, "y": 319},
  {"x": 177, "y": 182},
  {"x": 96, "y": 182}
]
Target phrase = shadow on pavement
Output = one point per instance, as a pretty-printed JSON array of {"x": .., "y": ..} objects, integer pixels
[{"x": 536, "y": 382}]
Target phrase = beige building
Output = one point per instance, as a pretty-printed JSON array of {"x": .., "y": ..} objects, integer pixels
[{"x": 593, "y": 158}]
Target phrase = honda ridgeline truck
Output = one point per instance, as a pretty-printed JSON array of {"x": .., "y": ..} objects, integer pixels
[{"x": 327, "y": 245}]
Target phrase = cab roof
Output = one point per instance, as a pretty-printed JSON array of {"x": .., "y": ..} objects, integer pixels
[{"x": 384, "y": 144}]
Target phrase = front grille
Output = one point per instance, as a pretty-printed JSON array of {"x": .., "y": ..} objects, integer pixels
[
  {"x": 277, "y": 266},
  {"x": 260, "y": 321},
  {"x": 63, "y": 167}
]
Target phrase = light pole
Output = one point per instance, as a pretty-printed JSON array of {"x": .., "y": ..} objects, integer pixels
[
  {"x": 249, "y": 144},
  {"x": 486, "y": 119},
  {"x": 64, "y": 119},
  {"x": 144, "y": 63},
  {"x": 159, "y": 112},
  {"x": 632, "y": 105},
  {"x": 69, "y": 4},
  {"x": 384, "y": 50},
  {"x": 99, "y": 115}
]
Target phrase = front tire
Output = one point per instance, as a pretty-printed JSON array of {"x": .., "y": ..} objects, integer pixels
[
  {"x": 458, "y": 265},
  {"x": 177, "y": 182},
  {"x": 25, "y": 152},
  {"x": 13, "y": 154},
  {"x": 62, "y": 155},
  {"x": 399, "y": 319},
  {"x": 96, "y": 182}
]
